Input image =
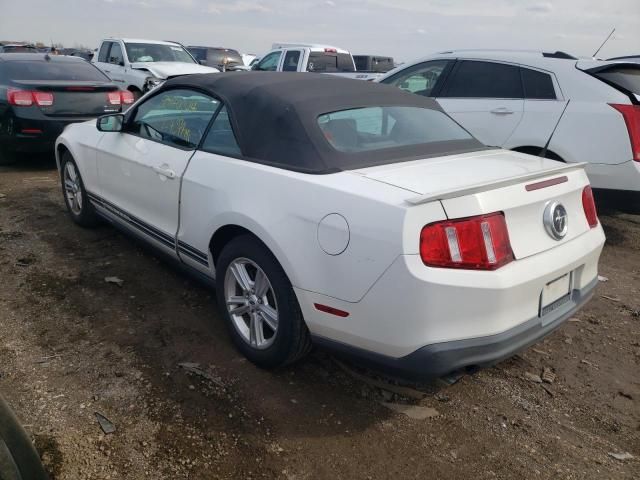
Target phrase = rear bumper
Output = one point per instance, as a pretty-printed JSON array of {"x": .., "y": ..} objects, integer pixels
[
  {"x": 429, "y": 321},
  {"x": 31, "y": 135},
  {"x": 439, "y": 359},
  {"x": 623, "y": 176}
]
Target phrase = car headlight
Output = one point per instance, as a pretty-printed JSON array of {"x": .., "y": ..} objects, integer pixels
[{"x": 152, "y": 82}]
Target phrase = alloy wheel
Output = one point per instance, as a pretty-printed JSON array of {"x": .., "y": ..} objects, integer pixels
[
  {"x": 251, "y": 303},
  {"x": 72, "y": 188}
]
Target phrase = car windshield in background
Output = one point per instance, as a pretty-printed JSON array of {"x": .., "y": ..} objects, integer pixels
[
  {"x": 377, "y": 128},
  {"x": 51, "y": 70},
  {"x": 330, "y": 62},
  {"x": 156, "y": 52},
  {"x": 220, "y": 55},
  {"x": 199, "y": 54}
]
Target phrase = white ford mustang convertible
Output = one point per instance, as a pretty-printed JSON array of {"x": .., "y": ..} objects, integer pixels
[{"x": 347, "y": 214}]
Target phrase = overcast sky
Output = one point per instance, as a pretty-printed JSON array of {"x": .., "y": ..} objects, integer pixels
[{"x": 403, "y": 29}]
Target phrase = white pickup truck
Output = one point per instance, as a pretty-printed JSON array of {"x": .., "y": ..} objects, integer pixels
[
  {"x": 299, "y": 57},
  {"x": 140, "y": 65}
]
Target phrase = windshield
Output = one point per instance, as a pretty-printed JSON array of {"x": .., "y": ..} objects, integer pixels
[
  {"x": 330, "y": 62},
  {"x": 378, "y": 128},
  {"x": 155, "y": 52}
]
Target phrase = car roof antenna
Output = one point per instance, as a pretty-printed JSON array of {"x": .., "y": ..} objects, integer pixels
[
  {"x": 603, "y": 43},
  {"x": 543, "y": 152}
]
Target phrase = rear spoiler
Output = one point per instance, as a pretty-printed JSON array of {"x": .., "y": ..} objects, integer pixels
[{"x": 481, "y": 187}]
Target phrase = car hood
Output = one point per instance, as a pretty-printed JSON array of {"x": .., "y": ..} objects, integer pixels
[
  {"x": 458, "y": 172},
  {"x": 171, "y": 69}
]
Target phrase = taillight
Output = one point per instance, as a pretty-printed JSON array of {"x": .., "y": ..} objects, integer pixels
[
  {"x": 120, "y": 97},
  {"x": 19, "y": 98},
  {"x": 43, "y": 99},
  {"x": 631, "y": 115},
  {"x": 114, "y": 98},
  {"x": 476, "y": 243},
  {"x": 26, "y": 98},
  {"x": 126, "y": 97},
  {"x": 589, "y": 206}
]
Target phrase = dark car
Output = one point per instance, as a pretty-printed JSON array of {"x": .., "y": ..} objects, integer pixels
[
  {"x": 224, "y": 59},
  {"x": 373, "y": 63},
  {"x": 41, "y": 94},
  {"x": 17, "y": 48}
]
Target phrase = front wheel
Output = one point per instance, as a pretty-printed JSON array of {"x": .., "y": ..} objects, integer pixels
[
  {"x": 75, "y": 196},
  {"x": 259, "y": 305}
]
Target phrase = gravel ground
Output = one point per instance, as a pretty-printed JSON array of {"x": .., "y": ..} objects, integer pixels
[{"x": 72, "y": 345}]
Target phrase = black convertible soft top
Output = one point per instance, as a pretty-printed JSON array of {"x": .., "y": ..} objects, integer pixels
[{"x": 274, "y": 117}]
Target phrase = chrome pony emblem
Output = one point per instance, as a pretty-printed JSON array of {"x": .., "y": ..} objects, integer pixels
[{"x": 556, "y": 220}]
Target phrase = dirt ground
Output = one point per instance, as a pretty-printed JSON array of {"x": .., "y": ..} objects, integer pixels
[{"x": 72, "y": 345}]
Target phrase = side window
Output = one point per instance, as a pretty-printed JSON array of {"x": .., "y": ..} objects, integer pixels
[
  {"x": 471, "y": 79},
  {"x": 420, "y": 79},
  {"x": 269, "y": 63},
  {"x": 291, "y": 59},
  {"x": 115, "y": 54},
  {"x": 177, "y": 117},
  {"x": 220, "y": 138},
  {"x": 537, "y": 85},
  {"x": 104, "y": 52}
]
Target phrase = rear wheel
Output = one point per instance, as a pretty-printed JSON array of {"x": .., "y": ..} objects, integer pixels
[
  {"x": 259, "y": 304},
  {"x": 75, "y": 195},
  {"x": 136, "y": 93}
]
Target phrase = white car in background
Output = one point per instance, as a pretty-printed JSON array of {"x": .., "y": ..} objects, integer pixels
[
  {"x": 418, "y": 250},
  {"x": 568, "y": 109},
  {"x": 139, "y": 65},
  {"x": 303, "y": 57}
]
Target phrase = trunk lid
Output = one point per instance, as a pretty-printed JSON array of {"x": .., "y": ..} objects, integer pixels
[
  {"x": 74, "y": 98},
  {"x": 496, "y": 181}
]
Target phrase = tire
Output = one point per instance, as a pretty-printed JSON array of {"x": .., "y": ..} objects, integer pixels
[
  {"x": 75, "y": 196},
  {"x": 290, "y": 340},
  {"x": 18, "y": 458},
  {"x": 7, "y": 157},
  {"x": 136, "y": 94}
]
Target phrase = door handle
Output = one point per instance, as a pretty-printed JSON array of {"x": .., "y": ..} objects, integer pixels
[
  {"x": 165, "y": 171},
  {"x": 502, "y": 111}
]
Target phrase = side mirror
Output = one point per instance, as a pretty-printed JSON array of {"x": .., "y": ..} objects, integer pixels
[
  {"x": 110, "y": 123},
  {"x": 202, "y": 62}
]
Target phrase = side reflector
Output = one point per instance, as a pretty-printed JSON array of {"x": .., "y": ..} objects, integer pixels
[{"x": 330, "y": 310}]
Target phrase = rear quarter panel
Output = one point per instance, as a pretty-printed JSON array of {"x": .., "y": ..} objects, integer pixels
[
  {"x": 590, "y": 130},
  {"x": 284, "y": 208}
]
